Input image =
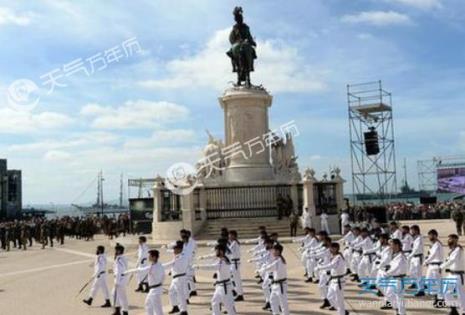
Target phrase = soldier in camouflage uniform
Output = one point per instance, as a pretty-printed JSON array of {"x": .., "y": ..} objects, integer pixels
[{"x": 457, "y": 216}]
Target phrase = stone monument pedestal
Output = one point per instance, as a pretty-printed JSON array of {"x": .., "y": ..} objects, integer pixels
[{"x": 247, "y": 156}]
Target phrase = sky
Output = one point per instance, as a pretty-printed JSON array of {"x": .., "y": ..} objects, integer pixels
[{"x": 131, "y": 87}]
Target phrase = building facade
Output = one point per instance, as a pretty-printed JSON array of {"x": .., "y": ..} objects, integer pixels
[{"x": 10, "y": 191}]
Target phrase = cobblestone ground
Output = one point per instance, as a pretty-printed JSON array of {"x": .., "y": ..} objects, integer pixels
[{"x": 46, "y": 282}]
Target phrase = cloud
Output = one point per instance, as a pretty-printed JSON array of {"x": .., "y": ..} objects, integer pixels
[
  {"x": 82, "y": 140},
  {"x": 420, "y": 4},
  {"x": 56, "y": 155},
  {"x": 279, "y": 67},
  {"x": 378, "y": 18},
  {"x": 8, "y": 16},
  {"x": 17, "y": 122},
  {"x": 138, "y": 114}
]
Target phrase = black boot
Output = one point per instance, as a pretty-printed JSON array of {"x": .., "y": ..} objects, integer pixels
[
  {"x": 325, "y": 304},
  {"x": 193, "y": 293},
  {"x": 420, "y": 293},
  {"x": 309, "y": 280},
  {"x": 174, "y": 310},
  {"x": 239, "y": 298},
  {"x": 107, "y": 304},
  {"x": 183, "y": 313},
  {"x": 267, "y": 306},
  {"x": 117, "y": 311},
  {"x": 125, "y": 313},
  {"x": 386, "y": 306},
  {"x": 379, "y": 293},
  {"x": 453, "y": 311},
  {"x": 88, "y": 301}
]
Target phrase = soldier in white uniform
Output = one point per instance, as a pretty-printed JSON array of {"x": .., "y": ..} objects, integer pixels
[
  {"x": 365, "y": 265},
  {"x": 142, "y": 257},
  {"x": 278, "y": 268},
  {"x": 383, "y": 258},
  {"x": 397, "y": 270},
  {"x": 345, "y": 218},
  {"x": 309, "y": 243},
  {"x": 303, "y": 240},
  {"x": 223, "y": 285},
  {"x": 407, "y": 241},
  {"x": 120, "y": 266},
  {"x": 356, "y": 253},
  {"x": 433, "y": 261},
  {"x": 178, "y": 288},
  {"x": 346, "y": 240},
  {"x": 155, "y": 278},
  {"x": 235, "y": 258},
  {"x": 416, "y": 259},
  {"x": 100, "y": 278},
  {"x": 454, "y": 267},
  {"x": 324, "y": 222},
  {"x": 262, "y": 259},
  {"x": 323, "y": 257},
  {"x": 395, "y": 231},
  {"x": 337, "y": 268},
  {"x": 190, "y": 248}
]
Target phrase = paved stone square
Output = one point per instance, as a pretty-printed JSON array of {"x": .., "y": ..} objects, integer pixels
[{"x": 46, "y": 282}]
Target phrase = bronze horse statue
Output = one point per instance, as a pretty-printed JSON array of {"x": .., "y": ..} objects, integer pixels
[{"x": 242, "y": 52}]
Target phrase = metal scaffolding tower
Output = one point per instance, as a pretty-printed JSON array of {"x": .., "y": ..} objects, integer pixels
[
  {"x": 427, "y": 175},
  {"x": 372, "y": 147},
  {"x": 428, "y": 170}
]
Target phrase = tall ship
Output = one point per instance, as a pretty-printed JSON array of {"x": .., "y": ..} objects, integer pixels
[{"x": 100, "y": 207}]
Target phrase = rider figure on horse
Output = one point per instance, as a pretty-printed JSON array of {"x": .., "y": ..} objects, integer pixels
[{"x": 242, "y": 52}]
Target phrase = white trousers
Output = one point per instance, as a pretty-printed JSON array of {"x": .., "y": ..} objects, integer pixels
[
  {"x": 100, "y": 283},
  {"x": 120, "y": 297},
  {"x": 364, "y": 267},
  {"x": 278, "y": 299},
  {"x": 236, "y": 277},
  {"x": 266, "y": 286},
  {"x": 190, "y": 274},
  {"x": 336, "y": 296},
  {"x": 178, "y": 293},
  {"x": 153, "y": 305},
  {"x": 415, "y": 269},
  {"x": 395, "y": 295},
  {"x": 220, "y": 297},
  {"x": 322, "y": 284},
  {"x": 325, "y": 226},
  {"x": 451, "y": 300},
  {"x": 311, "y": 263},
  {"x": 434, "y": 273},
  {"x": 142, "y": 275},
  {"x": 356, "y": 257}
]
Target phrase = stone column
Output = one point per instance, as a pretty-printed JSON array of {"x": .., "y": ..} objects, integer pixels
[
  {"x": 339, "y": 189},
  {"x": 295, "y": 197},
  {"x": 157, "y": 202},
  {"x": 188, "y": 211},
  {"x": 309, "y": 218},
  {"x": 246, "y": 123},
  {"x": 202, "y": 201}
]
